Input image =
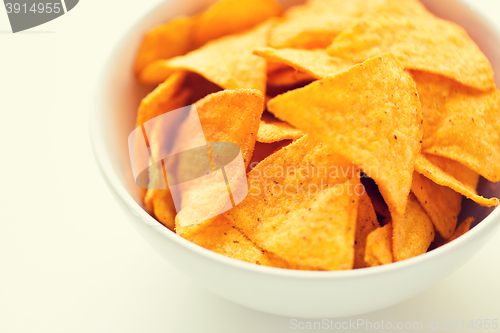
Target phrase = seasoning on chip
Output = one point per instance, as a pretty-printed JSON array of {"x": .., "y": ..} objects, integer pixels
[{"x": 370, "y": 114}]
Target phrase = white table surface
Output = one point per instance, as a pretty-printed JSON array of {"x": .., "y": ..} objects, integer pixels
[{"x": 69, "y": 262}]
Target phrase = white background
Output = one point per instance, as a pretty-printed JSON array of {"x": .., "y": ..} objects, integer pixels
[{"x": 69, "y": 260}]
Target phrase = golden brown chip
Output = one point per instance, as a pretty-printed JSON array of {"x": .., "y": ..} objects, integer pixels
[
  {"x": 316, "y": 23},
  {"x": 159, "y": 201},
  {"x": 223, "y": 238},
  {"x": 315, "y": 62},
  {"x": 421, "y": 42},
  {"x": 412, "y": 232},
  {"x": 302, "y": 206},
  {"x": 441, "y": 203},
  {"x": 227, "y": 17},
  {"x": 287, "y": 78},
  {"x": 165, "y": 42},
  {"x": 166, "y": 97},
  {"x": 454, "y": 175},
  {"x": 227, "y": 116},
  {"x": 273, "y": 130},
  {"x": 227, "y": 62},
  {"x": 379, "y": 247},
  {"x": 461, "y": 123},
  {"x": 365, "y": 224},
  {"x": 370, "y": 114},
  {"x": 462, "y": 228},
  {"x": 459, "y": 231}
]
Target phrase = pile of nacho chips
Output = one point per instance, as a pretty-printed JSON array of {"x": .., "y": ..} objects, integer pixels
[{"x": 362, "y": 125}]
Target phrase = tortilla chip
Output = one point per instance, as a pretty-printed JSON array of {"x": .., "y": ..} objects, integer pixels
[
  {"x": 273, "y": 130},
  {"x": 165, "y": 42},
  {"x": 441, "y": 203},
  {"x": 166, "y": 97},
  {"x": 159, "y": 201},
  {"x": 227, "y": 62},
  {"x": 223, "y": 238},
  {"x": 301, "y": 207},
  {"x": 227, "y": 17},
  {"x": 287, "y": 78},
  {"x": 370, "y": 114},
  {"x": 421, "y": 42},
  {"x": 379, "y": 247},
  {"x": 462, "y": 228},
  {"x": 365, "y": 224},
  {"x": 454, "y": 175},
  {"x": 461, "y": 123},
  {"x": 228, "y": 116},
  {"x": 315, "y": 62},
  {"x": 412, "y": 232},
  {"x": 316, "y": 23},
  {"x": 459, "y": 231}
]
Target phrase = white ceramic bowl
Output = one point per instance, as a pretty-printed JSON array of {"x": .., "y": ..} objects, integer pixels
[{"x": 278, "y": 291}]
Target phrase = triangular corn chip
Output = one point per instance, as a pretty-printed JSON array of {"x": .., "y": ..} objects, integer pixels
[
  {"x": 302, "y": 206},
  {"x": 379, "y": 247},
  {"x": 165, "y": 42},
  {"x": 441, "y": 203},
  {"x": 461, "y": 123},
  {"x": 365, "y": 224},
  {"x": 421, "y": 42},
  {"x": 315, "y": 62},
  {"x": 159, "y": 201},
  {"x": 273, "y": 130},
  {"x": 462, "y": 229},
  {"x": 223, "y": 238},
  {"x": 227, "y": 17},
  {"x": 229, "y": 116},
  {"x": 412, "y": 232},
  {"x": 227, "y": 62},
  {"x": 454, "y": 175},
  {"x": 166, "y": 97},
  {"x": 316, "y": 23},
  {"x": 370, "y": 114}
]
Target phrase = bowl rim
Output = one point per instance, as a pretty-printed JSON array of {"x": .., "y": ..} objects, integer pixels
[{"x": 96, "y": 120}]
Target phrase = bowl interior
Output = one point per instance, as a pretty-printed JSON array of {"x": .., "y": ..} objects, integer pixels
[{"x": 120, "y": 94}]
